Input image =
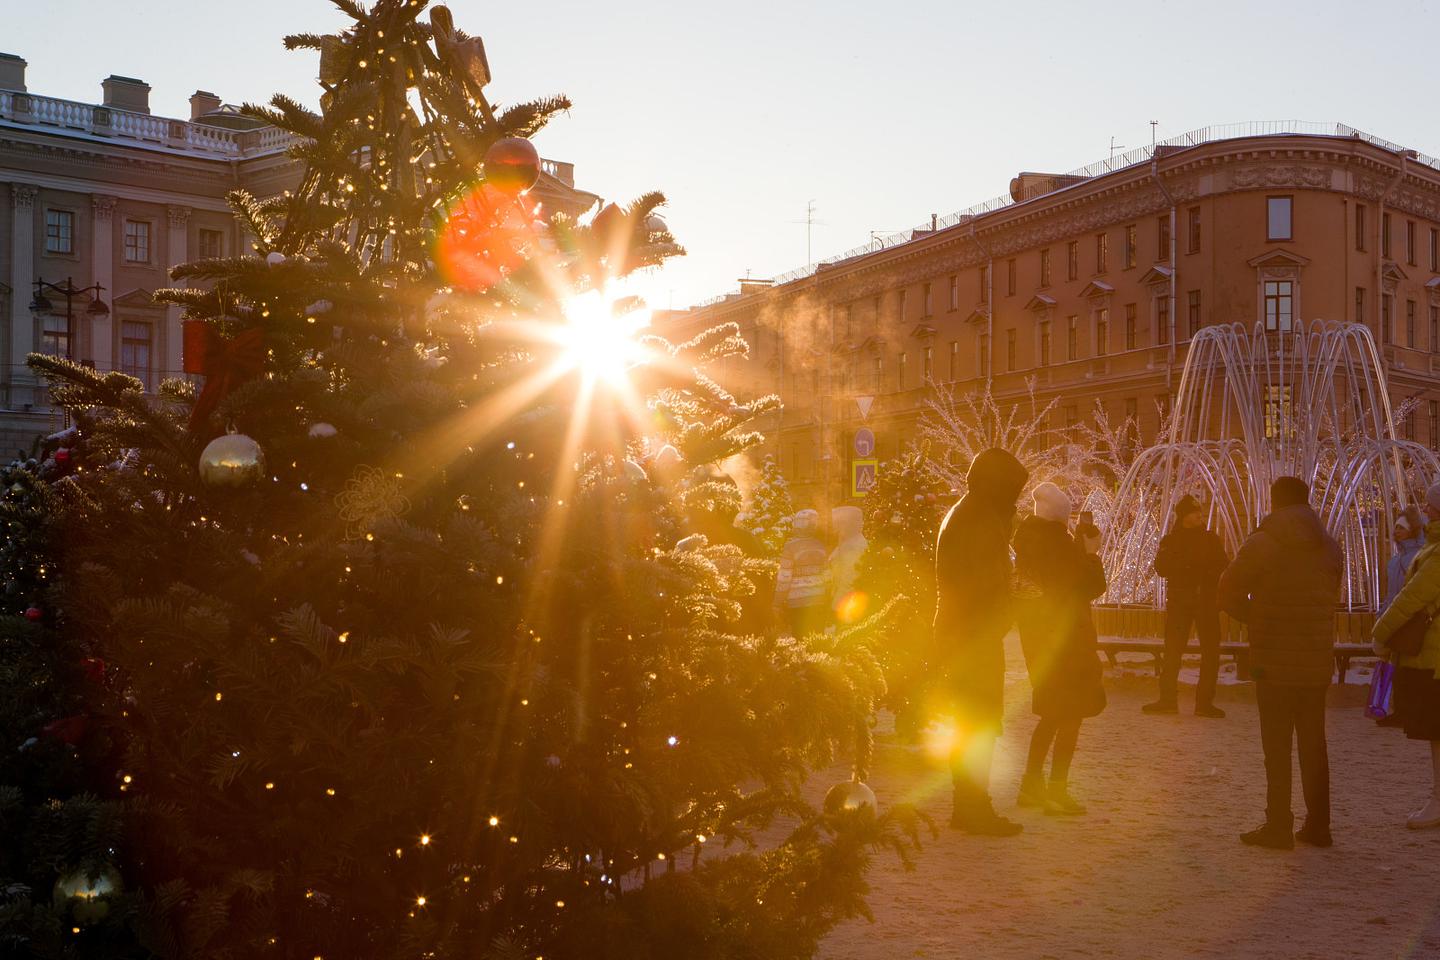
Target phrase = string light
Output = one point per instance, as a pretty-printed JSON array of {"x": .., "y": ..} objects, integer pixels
[
  {"x": 424, "y": 839},
  {"x": 494, "y": 821}
]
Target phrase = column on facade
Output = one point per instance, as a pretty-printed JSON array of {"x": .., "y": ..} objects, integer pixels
[
  {"x": 102, "y": 271},
  {"x": 177, "y": 253},
  {"x": 22, "y": 282}
]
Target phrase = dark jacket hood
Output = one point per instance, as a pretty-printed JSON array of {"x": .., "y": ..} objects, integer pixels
[
  {"x": 996, "y": 477},
  {"x": 1297, "y": 525}
]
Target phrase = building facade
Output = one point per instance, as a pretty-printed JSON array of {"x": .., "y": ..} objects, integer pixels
[
  {"x": 1088, "y": 287},
  {"x": 108, "y": 194}
]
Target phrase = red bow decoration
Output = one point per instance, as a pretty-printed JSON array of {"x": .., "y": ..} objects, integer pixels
[
  {"x": 67, "y": 729},
  {"x": 225, "y": 363}
]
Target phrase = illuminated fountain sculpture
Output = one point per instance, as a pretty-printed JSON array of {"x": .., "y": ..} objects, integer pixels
[{"x": 1309, "y": 401}]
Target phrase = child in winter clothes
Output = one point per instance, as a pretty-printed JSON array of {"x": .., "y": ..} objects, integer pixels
[{"x": 1056, "y": 578}]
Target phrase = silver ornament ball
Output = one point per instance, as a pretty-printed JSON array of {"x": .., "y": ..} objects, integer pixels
[
  {"x": 849, "y": 796},
  {"x": 233, "y": 460}
]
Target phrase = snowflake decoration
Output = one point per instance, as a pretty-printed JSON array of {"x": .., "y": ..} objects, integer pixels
[{"x": 370, "y": 497}]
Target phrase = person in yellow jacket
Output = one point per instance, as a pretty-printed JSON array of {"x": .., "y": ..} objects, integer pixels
[{"x": 1417, "y": 677}]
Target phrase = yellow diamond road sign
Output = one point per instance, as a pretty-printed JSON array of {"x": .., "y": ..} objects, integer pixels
[{"x": 862, "y": 477}]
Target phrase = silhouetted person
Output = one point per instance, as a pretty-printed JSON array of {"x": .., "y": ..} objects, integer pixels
[
  {"x": 1190, "y": 558},
  {"x": 972, "y": 615},
  {"x": 802, "y": 581},
  {"x": 1056, "y": 578},
  {"x": 1283, "y": 585}
]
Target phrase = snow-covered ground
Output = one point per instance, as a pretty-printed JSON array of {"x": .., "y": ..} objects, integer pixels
[{"x": 1156, "y": 869}]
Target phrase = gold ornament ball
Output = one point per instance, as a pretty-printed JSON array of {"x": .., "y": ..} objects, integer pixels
[
  {"x": 84, "y": 893},
  {"x": 850, "y": 795},
  {"x": 233, "y": 460}
]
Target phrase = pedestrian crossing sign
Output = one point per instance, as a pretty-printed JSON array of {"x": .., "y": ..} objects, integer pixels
[{"x": 862, "y": 477}]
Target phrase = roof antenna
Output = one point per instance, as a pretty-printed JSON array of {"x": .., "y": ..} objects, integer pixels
[
  {"x": 1113, "y": 147},
  {"x": 1153, "y": 125}
]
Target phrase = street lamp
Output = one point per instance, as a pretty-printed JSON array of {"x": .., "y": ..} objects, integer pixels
[{"x": 95, "y": 308}]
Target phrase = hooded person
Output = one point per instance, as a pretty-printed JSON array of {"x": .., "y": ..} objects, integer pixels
[
  {"x": 1190, "y": 558},
  {"x": 972, "y": 615},
  {"x": 1056, "y": 578},
  {"x": 1283, "y": 585}
]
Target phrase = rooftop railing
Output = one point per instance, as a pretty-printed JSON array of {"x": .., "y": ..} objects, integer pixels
[
  {"x": 1121, "y": 161},
  {"x": 128, "y": 126}
]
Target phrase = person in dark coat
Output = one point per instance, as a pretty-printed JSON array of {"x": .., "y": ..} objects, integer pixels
[
  {"x": 1190, "y": 558},
  {"x": 1056, "y": 577},
  {"x": 1283, "y": 585},
  {"x": 972, "y": 615}
]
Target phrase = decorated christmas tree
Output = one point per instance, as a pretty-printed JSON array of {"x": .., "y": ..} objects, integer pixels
[
  {"x": 406, "y": 641},
  {"x": 770, "y": 509}
]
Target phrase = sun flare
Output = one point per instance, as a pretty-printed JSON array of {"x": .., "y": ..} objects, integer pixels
[{"x": 598, "y": 338}]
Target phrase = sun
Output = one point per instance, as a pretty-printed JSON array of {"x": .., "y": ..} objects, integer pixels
[{"x": 598, "y": 338}]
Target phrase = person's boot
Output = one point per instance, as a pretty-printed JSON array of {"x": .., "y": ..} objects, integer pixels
[
  {"x": 1390, "y": 720},
  {"x": 976, "y": 816},
  {"x": 1209, "y": 710},
  {"x": 1059, "y": 803},
  {"x": 1032, "y": 791},
  {"x": 1315, "y": 836},
  {"x": 1426, "y": 817},
  {"x": 1273, "y": 836},
  {"x": 1161, "y": 706}
]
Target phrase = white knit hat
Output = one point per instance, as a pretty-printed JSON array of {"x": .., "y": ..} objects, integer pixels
[
  {"x": 805, "y": 520},
  {"x": 1051, "y": 503}
]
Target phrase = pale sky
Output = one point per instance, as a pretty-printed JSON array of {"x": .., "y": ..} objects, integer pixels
[{"x": 880, "y": 112}]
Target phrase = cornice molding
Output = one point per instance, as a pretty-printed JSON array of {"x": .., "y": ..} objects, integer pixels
[{"x": 22, "y": 195}]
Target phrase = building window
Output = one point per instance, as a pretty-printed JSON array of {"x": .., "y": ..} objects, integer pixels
[
  {"x": 984, "y": 357},
  {"x": 1360, "y": 227},
  {"x": 137, "y": 241},
  {"x": 1044, "y": 268},
  {"x": 1130, "y": 246},
  {"x": 1010, "y": 349},
  {"x": 1277, "y": 218},
  {"x": 1010, "y": 277},
  {"x": 954, "y": 292},
  {"x": 211, "y": 244},
  {"x": 901, "y": 369},
  {"x": 1359, "y": 304},
  {"x": 1410, "y": 242},
  {"x": 1193, "y": 244},
  {"x": 1277, "y": 411},
  {"x": 1410, "y": 324},
  {"x": 984, "y": 283},
  {"x": 1385, "y": 235},
  {"x": 1102, "y": 252},
  {"x": 1434, "y": 343},
  {"x": 1387, "y": 316},
  {"x": 1072, "y": 260},
  {"x": 925, "y": 303},
  {"x": 55, "y": 336},
  {"x": 1045, "y": 343},
  {"x": 849, "y": 316},
  {"x": 1130, "y": 332},
  {"x": 1434, "y": 424},
  {"x": 1279, "y": 305},
  {"x": 59, "y": 231},
  {"x": 1072, "y": 420},
  {"x": 1072, "y": 338},
  {"x": 1193, "y": 307},
  {"x": 1434, "y": 250},
  {"x": 1162, "y": 319},
  {"x": 902, "y": 306},
  {"x": 954, "y": 359},
  {"x": 1102, "y": 331},
  {"x": 875, "y": 315},
  {"x": 877, "y": 374},
  {"x": 927, "y": 371},
  {"x": 1162, "y": 238},
  {"x": 1410, "y": 425},
  {"x": 135, "y": 343}
]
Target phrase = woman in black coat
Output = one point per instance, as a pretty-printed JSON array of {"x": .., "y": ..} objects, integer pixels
[{"x": 1055, "y": 580}]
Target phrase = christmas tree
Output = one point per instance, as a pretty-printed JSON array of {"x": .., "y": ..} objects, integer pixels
[
  {"x": 412, "y": 649},
  {"x": 770, "y": 510}
]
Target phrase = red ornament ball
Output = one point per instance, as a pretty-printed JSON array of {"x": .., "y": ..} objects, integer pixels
[
  {"x": 33, "y": 613},
  {"x": 62, "y": 457},
  {"x": 512, "y": 165}
]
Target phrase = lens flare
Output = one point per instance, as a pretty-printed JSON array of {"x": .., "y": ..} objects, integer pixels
[
  {"x": 597, "y": 342},
  {"x": 852, "y": 606}
]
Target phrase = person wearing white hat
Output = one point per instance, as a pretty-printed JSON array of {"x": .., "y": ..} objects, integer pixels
[
  {"x": 1417, "y": 666},
  {"x": 1056, "y": 578}
]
